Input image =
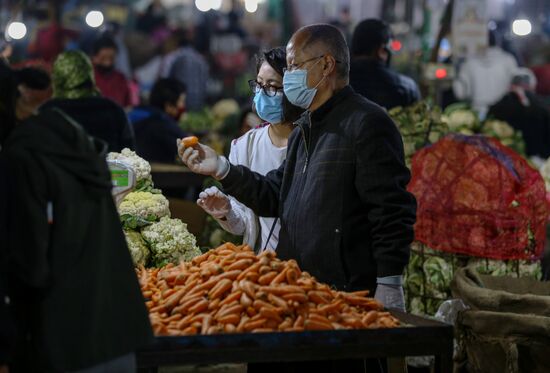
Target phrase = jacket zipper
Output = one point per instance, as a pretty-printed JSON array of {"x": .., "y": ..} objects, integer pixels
[{"x": 307, "y": 143}]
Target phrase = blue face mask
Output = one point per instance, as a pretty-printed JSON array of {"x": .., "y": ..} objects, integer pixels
[
  {"x": 296, "y": 89},
  {"x": 268, "y": 108}
]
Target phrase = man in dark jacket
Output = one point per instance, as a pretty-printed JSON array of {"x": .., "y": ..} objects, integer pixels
[
  {"x": 155, "y": 125},
  {"x": 346, "y": 215},
  {"x": 75, "y": 296},
  {"x": 370, "y": 72},
  {"x": 76, "y": 94}
]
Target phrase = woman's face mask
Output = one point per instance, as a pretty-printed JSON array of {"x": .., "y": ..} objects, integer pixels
[{"x": 269, "y": 108}]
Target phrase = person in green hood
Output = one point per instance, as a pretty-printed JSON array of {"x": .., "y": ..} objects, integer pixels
[{"x": 75, "y": 93}]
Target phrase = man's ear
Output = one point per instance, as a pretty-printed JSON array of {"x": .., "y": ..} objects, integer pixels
[{"x": 329, "y": 65}]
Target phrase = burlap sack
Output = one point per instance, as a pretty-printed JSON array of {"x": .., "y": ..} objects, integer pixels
[{"x": 507, "y": 329}]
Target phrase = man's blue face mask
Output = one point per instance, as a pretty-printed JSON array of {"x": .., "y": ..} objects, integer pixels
[{"x": 296, "y": 89}]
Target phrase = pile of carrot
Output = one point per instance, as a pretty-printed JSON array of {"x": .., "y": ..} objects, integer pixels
[{"x": 232, "y": 290}]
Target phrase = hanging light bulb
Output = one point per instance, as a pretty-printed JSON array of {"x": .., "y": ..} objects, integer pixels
[
  {"x": 94, "y": 18},
  {"x": 251, "y": 5},
  {"x": 16, "y": 30}
]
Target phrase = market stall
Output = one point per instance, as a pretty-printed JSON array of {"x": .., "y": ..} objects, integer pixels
[{"x": 416, "y": 337}]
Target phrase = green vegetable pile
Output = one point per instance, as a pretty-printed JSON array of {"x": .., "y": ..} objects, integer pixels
[
  {"x": 429, "y": 273},
  {"x": 423, "y": 124},
  {"x": 420, "y": 125},
  {"x": 153, "y": 238}
]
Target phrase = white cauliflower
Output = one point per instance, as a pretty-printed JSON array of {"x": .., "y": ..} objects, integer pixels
[
  {"x": 170, "y": 242},
  {"x": 141, "y": 167},
  {"x": 460, "y": 119},
  {"x": 499, "y": 128},
  {"x": 144, "y": 205},
  {"x": 138, "y": 248}
]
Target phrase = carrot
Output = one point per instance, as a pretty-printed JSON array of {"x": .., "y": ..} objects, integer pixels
[
  {"x": 231, "y": 297},
  {"x": 297, "y": 297},
  {"x": 239, "y": 264},
  {"x": 190, "y": 141},
  {"x": 222, "y": 286},
  {"x": 229, "y": 319},
  {"x": 199, "y": 307},
  {"x": 251, "y": 325},
  {"x": 316, "y": 325},
  {"x": 267, "y": 278},
  {"x": 270, "y": 313}
]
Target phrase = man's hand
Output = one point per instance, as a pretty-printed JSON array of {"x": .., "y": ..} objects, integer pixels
[
  {"x": 390, "y": 292},
  {"x": 203, "y": 160},
  {"x": 214, "y": 202}
]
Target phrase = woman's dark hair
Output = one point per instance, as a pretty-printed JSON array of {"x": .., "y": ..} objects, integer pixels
[
  {"x": 166, "y": 91},
  {"x": 276, "y": 58},
  {"x": 8, "y": 100}
]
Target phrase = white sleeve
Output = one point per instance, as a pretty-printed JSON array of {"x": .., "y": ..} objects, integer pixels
[
  {"x": 241, "y": 220},
  {"x": 462, "y": 85}
]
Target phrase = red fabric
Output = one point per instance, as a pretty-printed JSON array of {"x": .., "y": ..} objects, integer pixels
[
  {"x": 50, "y": 42},
  {"x": 543, "y": 79},
  {"x": 114, "y": 86},
  {"x": 466, "y": 188}
]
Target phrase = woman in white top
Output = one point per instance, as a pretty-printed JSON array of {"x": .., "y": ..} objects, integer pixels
[{"x": 262, "y": 150}]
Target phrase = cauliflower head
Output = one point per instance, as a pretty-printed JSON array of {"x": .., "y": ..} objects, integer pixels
[
  {"x": 138, "y": 248},
  {"x": 144, "y": 205},
  {"x": 170, "y": 242},
  {"x": 141, "y": 167}
]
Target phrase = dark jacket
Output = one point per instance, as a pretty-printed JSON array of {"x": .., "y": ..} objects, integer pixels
[
  {"x": 382, "y": 85},
  {"x": 346, "y": 215},
  {"x": 533, "y": 121},
  {"x": 156, "y": 134},
  {"x": 7, "y": 324},
  {"x": 74, "y": 290},
  {"x": 101, "y": 118}
]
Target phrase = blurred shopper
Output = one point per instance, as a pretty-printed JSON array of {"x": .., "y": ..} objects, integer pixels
[
  {"x": 156, "y": 125},
  {"x": 262, "y": 150},
  {"x": 524, "y": 111},
  {"x": 370, "y": 72},
  {"x": 483, "y": 80},
  {"x": 542, "y": 73},
  {"x": 76, "y": 301},
  {"x": 75, "y": 93},
  {"x": 111, "y": 82},
  {"x": 190, "y": 68},
  {"x": 33, "y": 90},
  {"x": 153, "y": 18}
]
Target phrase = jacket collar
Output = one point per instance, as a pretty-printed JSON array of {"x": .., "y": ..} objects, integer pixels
[{"x": 338, "y": 97}]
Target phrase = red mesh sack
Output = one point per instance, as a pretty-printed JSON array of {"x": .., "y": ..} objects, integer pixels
[{"x": 477, "y": 197}]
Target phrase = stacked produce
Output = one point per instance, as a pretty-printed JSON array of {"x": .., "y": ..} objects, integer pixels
[
  {"x": 232, "y": 290},
  {"x": 419, "y": 125},
  {"x": 153, "y": 238},
  {"x": 462, "y": 119},
  {"x": 429, "y": 273}
]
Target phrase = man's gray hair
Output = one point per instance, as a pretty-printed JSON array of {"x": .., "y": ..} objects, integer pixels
[{"x": 335, "y": 43}]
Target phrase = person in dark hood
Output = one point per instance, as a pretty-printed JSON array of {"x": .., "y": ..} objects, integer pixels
[
  {"x": 156, "y": 125},
  {"x": 76, "y": 301},
  {"x": 8, "y": 83},
  {"x": 110, "y": 82},
  {"x": 76, "y": 94},
  {"x": 370, "y": 72},
  {"x": 33, "y": 90}
]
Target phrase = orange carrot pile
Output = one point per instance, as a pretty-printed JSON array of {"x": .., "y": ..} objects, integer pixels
[{"x": 232, "y": 290}]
